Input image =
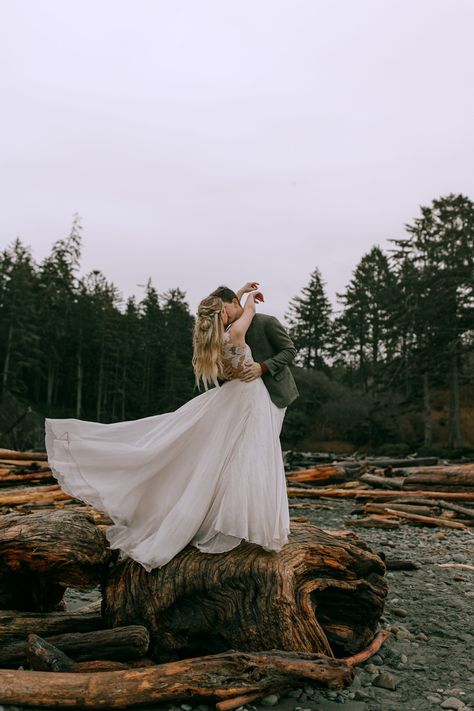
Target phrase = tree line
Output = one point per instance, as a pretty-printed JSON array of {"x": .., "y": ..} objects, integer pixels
[
  {"x": 71, "y": 347},
  {"x": 406, "y": 318}
]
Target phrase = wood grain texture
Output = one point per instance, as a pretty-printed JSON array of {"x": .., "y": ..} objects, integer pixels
[
  {"x": 320, "y": 593},
  {"x": 41, "y": 554},
  {"x": 214, "y": 677}
]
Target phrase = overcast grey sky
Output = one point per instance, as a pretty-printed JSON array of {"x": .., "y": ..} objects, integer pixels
[{"x": 215, "y": 141}]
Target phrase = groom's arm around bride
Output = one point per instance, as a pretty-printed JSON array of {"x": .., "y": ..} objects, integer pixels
[{"x": 272, "y": 349}]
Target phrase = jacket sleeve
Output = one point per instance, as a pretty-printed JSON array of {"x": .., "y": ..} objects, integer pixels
[{"x": 282, "y": 343}]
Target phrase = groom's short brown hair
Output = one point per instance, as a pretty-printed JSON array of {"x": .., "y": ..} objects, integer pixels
[{"x": 226, "y": 294}]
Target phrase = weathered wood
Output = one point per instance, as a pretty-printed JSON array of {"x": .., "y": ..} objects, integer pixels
[
  {"x": 459, "y": 566},
  {"x": 399, "y": 564},
  {"x": 374, "y": 521},
  {"x": 447, "y": 470},
  {"x": 464, "y": 510},
  {"x": 219, "y": 676},
  {"x": 322, "y": 475},
  {"x": 237, "y": 701},
  {"x": 385, "y": 462},
  {"x": 15, "y": 625},
  {"x": 120, "y": 643},
  {"x": 428, "y": 520},
  {"x": 382, "y": 481},
  {"x": 23, "y": 463},
  {"x": 42, "y": 554},
  {"x": 319, "y": 593},
  {"x": 37, "y": 495},
  {"x": 372, "y": 649},
  {"x": 377, "y": 494},
  {"x": 43, "y": 656},
  {"x": 369, "y": 651},
  {"x": 372, "y": 507},
  {"x": 32, "y": 456},
  {"x": 100, "y": 665},
  {"x": 454, "y": 478},
  {"x": 29, "y": 478}
]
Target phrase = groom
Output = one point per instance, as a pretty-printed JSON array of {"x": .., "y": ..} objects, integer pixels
[{"x": 272, "y": 348}]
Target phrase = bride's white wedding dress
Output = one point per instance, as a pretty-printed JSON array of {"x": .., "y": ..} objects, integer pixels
[{"x": 209, "y": 474}]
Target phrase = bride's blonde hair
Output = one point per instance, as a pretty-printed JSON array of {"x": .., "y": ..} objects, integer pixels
[{"x": 207, "y": 341}]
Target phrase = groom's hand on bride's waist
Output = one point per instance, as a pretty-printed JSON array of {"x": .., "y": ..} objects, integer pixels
[{"x": 253, "y": 371}]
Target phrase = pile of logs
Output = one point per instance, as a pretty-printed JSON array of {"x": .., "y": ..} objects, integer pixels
[
  {"x": 394, "y": 492},
  {"x": 229, "y": 627}
]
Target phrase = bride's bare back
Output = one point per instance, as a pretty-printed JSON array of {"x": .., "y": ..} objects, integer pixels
[{"x": 236, "y": 357}]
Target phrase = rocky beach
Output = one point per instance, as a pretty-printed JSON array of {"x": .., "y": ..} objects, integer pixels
[{"x": 427, "y": 663}]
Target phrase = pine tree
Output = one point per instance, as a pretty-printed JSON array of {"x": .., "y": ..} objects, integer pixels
[
  {"x": 19, "y": 328},
  {"x": 309, "y": 319},
  {"x": 441, "y": 245},
  {"x": 363, "y": 328},
  {"x": 178, "y": 381},
  {"x": 57, "y": 285}
]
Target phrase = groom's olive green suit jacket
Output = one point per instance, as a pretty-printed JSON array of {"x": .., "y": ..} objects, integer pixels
[{"x": 271, "y": 344}]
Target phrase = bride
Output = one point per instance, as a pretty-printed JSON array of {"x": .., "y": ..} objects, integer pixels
[{"x": 209, "y": 474}]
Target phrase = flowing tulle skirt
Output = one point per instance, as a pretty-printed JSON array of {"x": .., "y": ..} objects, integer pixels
[{"x": 209, "y": 474}]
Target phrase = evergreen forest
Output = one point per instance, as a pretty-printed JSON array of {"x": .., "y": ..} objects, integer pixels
[{"x": 390, "y": 369}]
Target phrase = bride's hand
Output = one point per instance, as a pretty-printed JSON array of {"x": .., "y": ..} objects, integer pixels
[
  {"x": 249, "y": 286},
  {"x": 258, "y": 296}
]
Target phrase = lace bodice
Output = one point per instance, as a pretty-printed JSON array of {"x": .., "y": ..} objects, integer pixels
[{"x": 235, "y": 357}]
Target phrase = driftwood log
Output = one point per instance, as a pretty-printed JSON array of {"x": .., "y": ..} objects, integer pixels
[
  {"x": 44, "y": 656},
  {"x": 34, "y": 496},
  {"x": 14, "y": 454},
  {"x": 214, "y": 677},
  {"x": 319, "y": 594},
  {"x": 15, "y": 626},
  {"x": 120, "y": 643},
  {"x": 319, "y": 476},
  {"x": 359, "y": 493},
  {"x": 43, "y": 554},
  {"x": 450, "y": 477}
]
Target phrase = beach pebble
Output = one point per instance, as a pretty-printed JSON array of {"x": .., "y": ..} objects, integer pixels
[
  {"x": 403, "y": 634},
  {"x": 186, "y": 707},
  {"x": 452, "y": 703},
  {"x": 377, "y": 659},
  {"x": 385, "y": 680},
  {"x": 270, "y": 700},
  {"x": 400, "y": 611},
  {"x": 370, "y": 669}
]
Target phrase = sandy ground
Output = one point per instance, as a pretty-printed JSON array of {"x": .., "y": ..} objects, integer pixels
[{"x": 428, "y": 662}]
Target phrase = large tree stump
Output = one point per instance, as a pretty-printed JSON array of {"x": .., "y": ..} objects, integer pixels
[
  {"x": 319, "y": 594},
  {"x": 41, "y": 554}
]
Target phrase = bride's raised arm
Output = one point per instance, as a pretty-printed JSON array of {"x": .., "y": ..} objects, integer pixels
[
  {"x": 240, "y": 325},
  {"x": 246, "y": 288}
]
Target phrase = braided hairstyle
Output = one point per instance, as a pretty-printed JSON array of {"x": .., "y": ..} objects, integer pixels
[{"x": 207, "y": 341}]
